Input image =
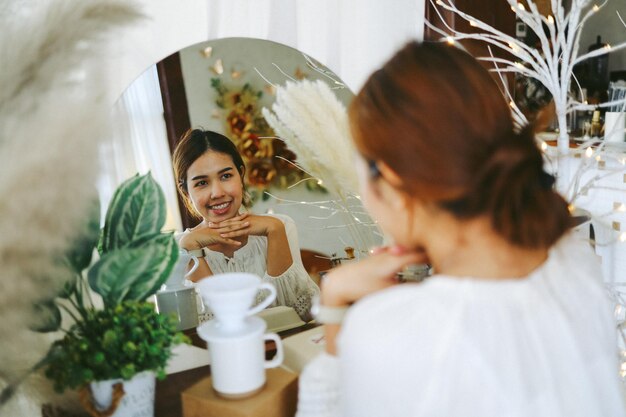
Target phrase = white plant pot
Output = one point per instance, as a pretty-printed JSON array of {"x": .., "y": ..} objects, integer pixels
[{"x": 138, "y": 399}]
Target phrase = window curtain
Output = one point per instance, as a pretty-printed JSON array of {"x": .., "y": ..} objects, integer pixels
[
  {"x": 351, "y": 37},
  {"x": 138, "y": 144}
]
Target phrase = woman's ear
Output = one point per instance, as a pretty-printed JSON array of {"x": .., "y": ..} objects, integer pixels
[
  {"x": 390, "y": 186},
  {"x": 389, "y": 174}
]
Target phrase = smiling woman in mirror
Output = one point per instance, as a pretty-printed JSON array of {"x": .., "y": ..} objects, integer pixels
[{"x": 209, "y": 172}]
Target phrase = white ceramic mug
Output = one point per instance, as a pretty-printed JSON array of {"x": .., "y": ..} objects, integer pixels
[
  {"x": 230, "y": 297},
  {"x": 614, "y": 127},
  {"x": 238, "y": 359},
  {"x": 182, "y": 303}
]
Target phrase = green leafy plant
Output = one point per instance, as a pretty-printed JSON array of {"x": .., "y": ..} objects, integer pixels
[
  {"x": 113, "y": 343},
  {"x": 126, "y": 336}
]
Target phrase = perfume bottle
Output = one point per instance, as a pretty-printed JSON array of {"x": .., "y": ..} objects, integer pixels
[{"x": 596, "y": 124}]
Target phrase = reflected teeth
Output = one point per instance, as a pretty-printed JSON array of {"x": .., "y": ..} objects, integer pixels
[{"x": 220, "y": 206}]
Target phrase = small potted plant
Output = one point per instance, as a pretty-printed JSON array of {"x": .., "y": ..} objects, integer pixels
[{"x": 112, "y": 354}]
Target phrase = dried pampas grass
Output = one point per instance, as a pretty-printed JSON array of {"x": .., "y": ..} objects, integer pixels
[
  {"x": 53, "y": 109},
  {"x": 314, "y": 124},
  {"x": 310, "y": 119}
]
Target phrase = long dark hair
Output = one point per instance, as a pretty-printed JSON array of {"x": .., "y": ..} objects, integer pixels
[
  {"x": 435, "y": 116},
  {"x": 195, "y": 143}
]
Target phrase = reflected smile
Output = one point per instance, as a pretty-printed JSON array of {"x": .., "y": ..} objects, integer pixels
[{"x": 220, "y": 208}]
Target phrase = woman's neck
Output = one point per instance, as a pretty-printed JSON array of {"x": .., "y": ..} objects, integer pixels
[{"x": 472, "y": 249}]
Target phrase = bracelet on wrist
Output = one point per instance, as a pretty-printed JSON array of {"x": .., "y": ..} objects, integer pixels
[{"x": 327, "y": 314}]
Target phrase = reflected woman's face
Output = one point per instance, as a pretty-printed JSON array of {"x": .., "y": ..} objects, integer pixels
[{"x": 215, "y": 186}]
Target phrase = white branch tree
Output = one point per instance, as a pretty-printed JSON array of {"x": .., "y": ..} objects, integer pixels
[{"x": 552, "y": 64}]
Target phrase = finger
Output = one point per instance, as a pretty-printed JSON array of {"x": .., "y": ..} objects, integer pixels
[
  {"x": 236, "y": 233},
  {"x": 232, "y": 226},
  {"x": 377, "y": 250},
  {"x": 228, "y": 241},
  {"x": 235, "y": 219},
  {"x": 389, "y": 264}
]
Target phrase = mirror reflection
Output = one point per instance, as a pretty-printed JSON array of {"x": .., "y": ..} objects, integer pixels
[{"x": 242, "y": 205}]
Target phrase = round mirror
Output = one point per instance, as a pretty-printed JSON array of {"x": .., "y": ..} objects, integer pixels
[{"x": 223, "y": 85}]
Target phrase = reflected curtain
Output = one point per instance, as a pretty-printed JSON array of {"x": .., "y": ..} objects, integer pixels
[
  {"x": 138, "y": 144},
  {"x": 351, "y": 37}
]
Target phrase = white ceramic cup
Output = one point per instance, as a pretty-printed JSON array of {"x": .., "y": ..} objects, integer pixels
[
  {"x": 238, "y": 359},
  {"x": 614, "y": 127},
  {"x": 182, "y": 303},
  {"x": 230, "y": 297}
]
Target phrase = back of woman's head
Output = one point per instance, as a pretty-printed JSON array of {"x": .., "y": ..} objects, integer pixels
[
  {"x": 195, "y": 143},
  {"x": 435, "y": 116}
]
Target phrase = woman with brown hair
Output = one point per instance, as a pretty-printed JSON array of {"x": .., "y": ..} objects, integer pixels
[
  {"x": 515, "y": 320},
  {"x": 210, "y": 172}
]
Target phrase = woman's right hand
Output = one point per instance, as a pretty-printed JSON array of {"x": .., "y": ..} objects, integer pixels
[
  {"x": 205, "y": 235},
  {"x": 349, "y": 283}
]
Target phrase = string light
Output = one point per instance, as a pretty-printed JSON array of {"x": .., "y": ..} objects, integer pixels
[
  {"x": 621, "y": 208},
  {"x": 472, "y": 23},
  {"x": 320, "y": 182},
  {"x": 607, "y": 47},
  {"x": 598, "y": 158},
  {"x": 544, "y": 146},
  {"x": 622, "y": 237},
  {"x": 550, "y": 19},
  {"x": 596, "y": 7},
  {"x": 571, "y": 208},
  {"x": 521, "y": 7},
  {"x": 589, "y": 152},
  {"x": 450, "y": 40},
  {"x": 619, "y": 313}
]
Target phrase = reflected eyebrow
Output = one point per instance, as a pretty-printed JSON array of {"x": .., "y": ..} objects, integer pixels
[{"x": 220, "y": 172}]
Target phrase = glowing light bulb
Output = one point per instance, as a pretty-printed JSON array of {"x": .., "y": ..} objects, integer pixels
[
  {"x": 472, "y": 23},
  {"x": 619, "y": 313},
  {"x": 544, "y": 146},
  {"x": 607, "y": 47},
  {"x": 589, "y": 152},
  {"x": 320, "y": 182},
  {"x": 550, "y": 19},
  {"x": 450, "y": 40},
  {"x": 596, "y": 7},
  {"x": 571, "y": 208},
  {"x": 521, "y": 7}
]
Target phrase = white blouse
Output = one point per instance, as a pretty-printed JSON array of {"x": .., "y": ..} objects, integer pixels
[
  {"x": 543, "y": 346},
  {"x": 294, "y": 287}
]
